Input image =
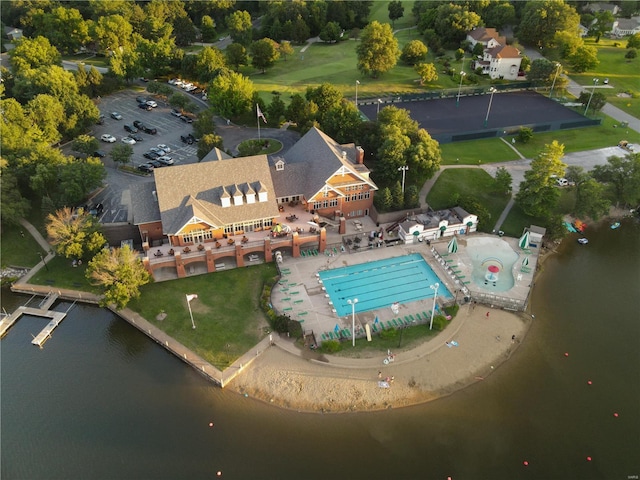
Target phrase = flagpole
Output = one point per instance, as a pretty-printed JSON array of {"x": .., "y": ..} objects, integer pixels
[
  {"x": 190, "y": 312},
  {"x": 258, "y": 119}
]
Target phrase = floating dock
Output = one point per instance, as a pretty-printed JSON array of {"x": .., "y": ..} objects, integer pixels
[{"x": 56, "y": 318}]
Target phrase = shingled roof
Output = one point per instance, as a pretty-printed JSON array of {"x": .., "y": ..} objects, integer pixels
[
  {"x": 311, "y": 162},
  {"x": 196, "y": 190},
  {"x": 504, "y": 52}
]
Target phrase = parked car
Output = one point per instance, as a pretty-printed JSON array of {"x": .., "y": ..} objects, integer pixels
[
  {"x": 136, "y": 136},
  {"x": 116, "y": 116},
  {"x": 158, "y": 150},
  {"x": 152, "y": 104},
  {"x": 108, "y": 138},
  {"x": 144, "y": 106},
  {"x": 146, "y": 168},
  {"x": 176, "y": 113},
  {"x": 130, "y": 129},
  {"x": 144, "y": 79},
  {"x": 100, "y": 120},
  {"x": 164, "y": 147},
  {"x": 99, "y": 154},
  {"x": 149, "y": 130},
  {"x": 141, "y": 99},
  {"x": 186, "y": 119},
  {"x": 165, "y": 160},
  {"x": 138, "y": 124},
  {"x": 128, "y": 140},
  {"x": 156, "y": 164},
  {"x": 151, "y": 155},
  {"x": 188, "y": 139}
]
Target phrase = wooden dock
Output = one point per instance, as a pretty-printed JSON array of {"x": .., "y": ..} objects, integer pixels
[{"x": 56, "y": 318}]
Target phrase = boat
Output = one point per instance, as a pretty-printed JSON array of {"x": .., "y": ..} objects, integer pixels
[
  {"x": 583, "y": 241},
  {"x": 579, "y": 225},
  {"x": 569, "y": 227},
  {"x": 615, "y": 225}
]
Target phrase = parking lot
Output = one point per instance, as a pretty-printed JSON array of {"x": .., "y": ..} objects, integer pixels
[{"x": 116, "y": 197}]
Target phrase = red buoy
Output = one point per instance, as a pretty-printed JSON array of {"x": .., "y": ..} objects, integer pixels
[
  {"x": 588, "y": 459},
  {"x": 219, "y": 473},
  {"x": 525, "y": 463},
  {"x": 211, "y": 424},
  {"x": 590, "y": 382},
  {"x": 615, "y": 414},
  {"x": 566, "y": 354}
]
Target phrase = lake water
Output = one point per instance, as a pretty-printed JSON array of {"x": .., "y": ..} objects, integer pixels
[{"x": 101, "y": 401}]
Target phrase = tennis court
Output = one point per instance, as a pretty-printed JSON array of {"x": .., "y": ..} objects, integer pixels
[{"x": 381, "y": 283}]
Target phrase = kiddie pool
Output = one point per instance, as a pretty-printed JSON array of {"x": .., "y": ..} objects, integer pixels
[{"x": 492, "y": 260}]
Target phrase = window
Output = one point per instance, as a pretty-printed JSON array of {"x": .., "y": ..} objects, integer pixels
[{"x": 333, "y": 202}]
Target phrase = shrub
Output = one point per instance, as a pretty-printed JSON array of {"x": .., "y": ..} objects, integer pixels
[
  {"x": 439, "y": 322},
  {"x": 452, "y": 310},
  {"x": 330, "y": 346},
  {"x": 389, "y": 334}
]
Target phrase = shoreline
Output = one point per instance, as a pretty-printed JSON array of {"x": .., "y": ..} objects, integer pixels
[{"x": 427, "y": 372}]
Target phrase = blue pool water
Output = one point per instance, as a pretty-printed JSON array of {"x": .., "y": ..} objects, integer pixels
[{"x": 381, "y": 283}]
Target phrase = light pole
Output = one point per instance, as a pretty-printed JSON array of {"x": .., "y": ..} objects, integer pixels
[
  {"x": 404, "y": 169},
  {"x": 433, "y": 287},
  {"x": 595, "y": 82},
  {"x": 554, "y": 78},
  {"x": 462, "y": 74},
  {"x": 378, "y": 111},
  {"x": 45, "y": 263},
  {"x": 357, "y": 83},
  {"x": 353, "y": 319},
  {"x": 486, "y": 119}
]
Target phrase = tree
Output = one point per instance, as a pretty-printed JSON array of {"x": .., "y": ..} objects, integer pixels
[
  {"x": 412, "y": 197},
  {"x": 341, "y": 122},
  {"x": 300, "y": 32},
  {"x": 264, "y": 54},
  {"x": 231, "y": 94},
  {"x": 120, "y": 272},
  {"x": 543, "y": 72},
  {"x": 634, "y": 41},
  {"x": 503, "y": 181},
  {"x": 77, "y": 178},
  {"x": 240, "y": 27},
  {"x": 603, "y": 23},
  {"x": 525, "y": 134},
  {"x": 499, "y": 14},
  {"x": 208, "y": 29},
  {"x": 453, "y": 21},
  {"x": 184, "y": 31},
  {"x": 181, "y": 101},
  {"x": 427, "y": 72},
  {"x": 204, "y": 123},
  {"x": 585, "y": 58},
  {"x": 326, "y": 97},
  {"x": 74, "y": 234},
  {"x": 567, "y": 43},
  {"x": 12, "y": 204},
  {"x": 383, "y": 199},
  {"x": 541, "y": 20},
  {"x": 112, "y": 32},
  {"x": 414, "y": 52},
  {"x": 285, "y": 49},
  {"x": 623, "y": 174},
  {"x": 236, "y": 55},
  {"x": 207, "y": 143},
  {"x": 595, "y": 100},
  {"x": 398, "y": 196},
  {"x": 276, "y": 108},
  {"x": 538, "y": 195},
  {"x": 47, "y": 112},
  {"x": 209, "y": 62},
  {"x": 331, "y": 32},
  {"x": 121, "y": 153},
  {"x": 631, "y": 54},
  {"x": 396, "y": 11},
  {"x": 590, "y": 200},
  {"x": 33, "y": 53},
  {"x": 85, "y": 144},
  {"x": 378, "y": 49}
]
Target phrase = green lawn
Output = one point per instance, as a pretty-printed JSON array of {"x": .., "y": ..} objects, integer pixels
[
  {"x": 475, "y": 152},
  {"x": 60, "y": 273},
  {"x": 227, "y": 313},
  {"x": 467, "y": 181},
  {"x": 380, "y": 12},
  {"x": 88, "y": 60},
  {"x": 622, "y": 74},
  {"x": 19, "y": 250},
  {"x": 606, "y": 135}
]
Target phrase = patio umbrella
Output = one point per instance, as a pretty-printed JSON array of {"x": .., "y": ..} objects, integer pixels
[
  {"x": 314, "y": 224},
  {"x": 277, "y": 228},
  {"x": 524, "y": 240},
  {"x": 525, "y": 261},
  {"x": 452, "y": 246}
]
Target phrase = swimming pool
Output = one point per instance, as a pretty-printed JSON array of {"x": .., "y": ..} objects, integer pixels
[
  {"x": 381, "y": 283},
  {"x": 492, "y": 260}
]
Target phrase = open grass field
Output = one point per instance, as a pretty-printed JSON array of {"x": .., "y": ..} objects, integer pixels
[
  {"x": 19, "y": 250},
  {"x": 226, "y": 313},
  {"x": 476, "y": 152},
  {"x": 474, "y": 182},
  {"x": 623, "y": 74}
]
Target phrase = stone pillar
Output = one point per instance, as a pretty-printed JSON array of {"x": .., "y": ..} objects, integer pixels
[
  {"x": 239, "y": 255},
  {"x": 211, "y": 267},
  {"x": 268, "y": 253},
  {"x": 322, "y": 244},
  {"x": 295, "y": 245},
  {"x": 343, "y": 226},
  {"x": 180, "y": 265}
]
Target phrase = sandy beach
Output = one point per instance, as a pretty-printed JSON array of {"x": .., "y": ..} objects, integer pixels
[{"x": 288, "y": 377}]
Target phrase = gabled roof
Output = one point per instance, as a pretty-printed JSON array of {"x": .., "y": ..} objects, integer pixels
[
  {"x": 216, "y": 154},
  {"x": 311, "y": 162},
  {"x": 483, "y": 35},
  {"x": 144, "y": 203},
  {"x": 196, "y": 190},
  {"x": 504, "y": 52}
]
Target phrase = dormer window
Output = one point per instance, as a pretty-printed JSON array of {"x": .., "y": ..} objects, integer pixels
[{"x": 279, "y": 165}]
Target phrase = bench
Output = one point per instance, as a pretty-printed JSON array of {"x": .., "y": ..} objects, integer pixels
[
  {"x": 220, "y": 266},
  {"x": 253, "y": 258}
]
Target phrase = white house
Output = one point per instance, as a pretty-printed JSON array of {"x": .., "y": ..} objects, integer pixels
[
  {"x": 623, "y": 27},
  {"x": 499, "y": 60},
  {"x": 433, "y": 225}
]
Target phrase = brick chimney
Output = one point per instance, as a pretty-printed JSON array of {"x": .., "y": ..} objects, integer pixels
[{"x": 359, "y": 154}]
